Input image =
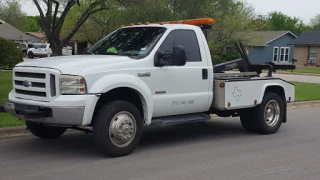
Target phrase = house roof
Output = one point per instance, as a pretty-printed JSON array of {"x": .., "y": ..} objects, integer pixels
[
  {"x": 307, "y": 38},
  {"x": 263, "y": 38},
  {"x": 11, "y": 33},
  {"x": 39, "y": 35}
]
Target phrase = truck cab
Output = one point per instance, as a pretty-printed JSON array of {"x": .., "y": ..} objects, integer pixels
[{"x": 156, "y": 74}]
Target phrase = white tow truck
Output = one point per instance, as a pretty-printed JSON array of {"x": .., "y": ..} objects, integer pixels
[{"x": 155, "y": 74}]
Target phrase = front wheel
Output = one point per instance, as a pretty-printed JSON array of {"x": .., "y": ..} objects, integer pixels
[
  {"x": 265, "y": 118},
  {"x": 45, "y": 132},
  {"x": 117, "y": 128}
]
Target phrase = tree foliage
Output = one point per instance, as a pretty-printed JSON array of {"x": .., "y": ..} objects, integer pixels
[
  {"x": 10, "y": 11},
  {"x": 278, "y": 21},
  {"x": 33, "y": 24},
  {"x": 54, "y": 12},
  {"x": 315, "y": 23}
]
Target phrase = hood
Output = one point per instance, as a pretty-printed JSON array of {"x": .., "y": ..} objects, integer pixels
[{"x": 74, "y": 64}]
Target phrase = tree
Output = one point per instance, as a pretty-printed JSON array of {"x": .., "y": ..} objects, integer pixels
[
  {"x": 33, "y": 24},
  {"x": 281, "y": 22},
  {"x": 315, "y": 23},
  {"x": 10, "y": 11},
  {"x": 53, "y": 14}
]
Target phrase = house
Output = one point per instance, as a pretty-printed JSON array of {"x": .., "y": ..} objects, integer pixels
[
  {"x": 11, "y": 33},
  {"x": 307, "y": 49},
  {"x": 271, "y": 46},
  {"x": 37, "y": 37}
]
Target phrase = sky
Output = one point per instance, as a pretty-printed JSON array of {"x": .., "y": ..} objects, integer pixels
[{"x": 303, "y": 9}]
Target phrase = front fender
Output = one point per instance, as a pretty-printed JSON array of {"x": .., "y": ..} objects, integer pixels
[{"x": 114, "y": 81}]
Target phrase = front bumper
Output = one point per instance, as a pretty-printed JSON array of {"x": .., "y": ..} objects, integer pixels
[{"x": 73, "y": 110}]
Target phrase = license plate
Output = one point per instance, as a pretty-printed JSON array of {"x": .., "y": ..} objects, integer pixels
[{"x": 9, "y": 107}]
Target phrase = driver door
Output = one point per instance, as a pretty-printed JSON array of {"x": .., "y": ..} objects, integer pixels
[{"x": 181, "y": 89}]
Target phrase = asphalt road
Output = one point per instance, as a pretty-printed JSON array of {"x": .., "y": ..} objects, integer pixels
[
  {"x": 218, "y": 149},
  {"x": 297, "y": 78}
]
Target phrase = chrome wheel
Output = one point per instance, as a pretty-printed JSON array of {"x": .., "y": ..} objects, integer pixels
[
  {"x": 272, "y": 113},
  {"x": 122, "y": 129}
]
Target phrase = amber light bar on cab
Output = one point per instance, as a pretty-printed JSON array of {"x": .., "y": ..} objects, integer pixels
[{"x": 196, "y": 22}]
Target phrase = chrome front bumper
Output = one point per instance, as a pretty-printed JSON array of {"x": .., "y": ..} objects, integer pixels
[
  {"x": 72, "y": 116},
  {"x": 72, "y": 110}
]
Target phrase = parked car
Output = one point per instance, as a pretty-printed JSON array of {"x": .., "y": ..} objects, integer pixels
[
  {"x": 23, "y": 47},
  {"x": 44, "y": 50}
]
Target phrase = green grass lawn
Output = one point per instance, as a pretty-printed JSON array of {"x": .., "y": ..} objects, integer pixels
[
  {"x": 5, "y": 85},
  {"x": 307, "y": 91},
  {"x": 7, "y": 120},
  {"x": 303, "y": 70}
]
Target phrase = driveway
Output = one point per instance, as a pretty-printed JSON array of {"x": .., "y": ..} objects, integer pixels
[{"x": 218, "y": 149}]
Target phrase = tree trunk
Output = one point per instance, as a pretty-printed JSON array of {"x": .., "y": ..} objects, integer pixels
[{"x": 56, "y": 47}]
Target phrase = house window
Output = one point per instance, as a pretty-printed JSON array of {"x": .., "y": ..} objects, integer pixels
[
  {"x": 284, "y": 54},
  {"x": 275, "y": 53},
  {"x": 313, "y": 53}
]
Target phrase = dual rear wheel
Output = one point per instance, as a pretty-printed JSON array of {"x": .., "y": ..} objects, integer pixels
[{"x": 265, "y": 118}]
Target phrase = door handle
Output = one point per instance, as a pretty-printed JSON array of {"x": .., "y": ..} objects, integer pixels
[{"x": 204, "y": 73}]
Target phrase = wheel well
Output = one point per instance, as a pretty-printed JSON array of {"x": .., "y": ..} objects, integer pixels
[
  {"x": 125, "y": 94},
  {"x": 276, "y": 89}
]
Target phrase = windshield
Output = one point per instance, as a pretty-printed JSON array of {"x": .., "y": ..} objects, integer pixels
[{"x": 137, "y": 41}]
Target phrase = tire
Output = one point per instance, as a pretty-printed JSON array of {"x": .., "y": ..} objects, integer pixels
[
  {"x": 117, "y": 128},
  {"x": 24, "y": 53},
  {"x": 256, "y": 119},
  {"x": 30, "y": 55},
  {"x": 247, "y": 121},
  {"x": 45, "y": 132}
]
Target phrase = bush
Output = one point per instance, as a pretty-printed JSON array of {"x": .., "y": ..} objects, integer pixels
[{"x": 9, "y": 54}]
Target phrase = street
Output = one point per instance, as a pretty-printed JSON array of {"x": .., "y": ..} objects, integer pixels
[
  {"x": 218, "y": 149},
  {"x": 296, "y": 78}
]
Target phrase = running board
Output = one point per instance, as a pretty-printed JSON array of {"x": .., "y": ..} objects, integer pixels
[{"x": 180, "y": 119}]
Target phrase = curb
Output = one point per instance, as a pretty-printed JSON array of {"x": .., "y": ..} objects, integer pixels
[
  {"x": 304, "y": 104},
  {"x": 22, "y": 130}
]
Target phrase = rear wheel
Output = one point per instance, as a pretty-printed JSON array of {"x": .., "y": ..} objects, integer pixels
[
  {"x": 30, "y": 55},
  {"x": 45, "y": 132},
  {"x": 117, "y": 128},
  {"x": 265, "y": 118}
]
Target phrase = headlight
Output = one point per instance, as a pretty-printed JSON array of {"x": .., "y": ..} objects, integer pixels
[{"x": 72, "y": 84}]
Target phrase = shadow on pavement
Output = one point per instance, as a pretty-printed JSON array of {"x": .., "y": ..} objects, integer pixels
[{"x": 81, "y": 145}]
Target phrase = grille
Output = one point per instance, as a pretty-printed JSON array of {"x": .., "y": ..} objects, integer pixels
[
  {"x": 35, "y": 83},
  {"x": 31, "y": 93},
  {"x": 30, "y": 75}
]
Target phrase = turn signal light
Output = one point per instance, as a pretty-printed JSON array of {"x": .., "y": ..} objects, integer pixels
[{"x": 229, "y": 104}]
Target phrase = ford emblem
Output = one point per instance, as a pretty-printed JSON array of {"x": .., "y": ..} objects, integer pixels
[{"x": 27, "y": 83}]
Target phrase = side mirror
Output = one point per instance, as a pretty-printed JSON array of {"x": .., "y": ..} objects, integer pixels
[{"x": 177, "y": 58}]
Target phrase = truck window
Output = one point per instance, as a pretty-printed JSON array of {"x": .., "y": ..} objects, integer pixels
[
  {"x": 137, "y": 41},
  {"x": 186, "y": 38}
]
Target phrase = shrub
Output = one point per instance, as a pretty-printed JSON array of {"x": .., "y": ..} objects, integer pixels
[{"x": 9, "y": 54}]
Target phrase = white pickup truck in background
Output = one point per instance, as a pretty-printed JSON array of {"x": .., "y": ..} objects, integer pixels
[
  {"x": 145, "y": 75},
  {"x": 44, "y": 50}
]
